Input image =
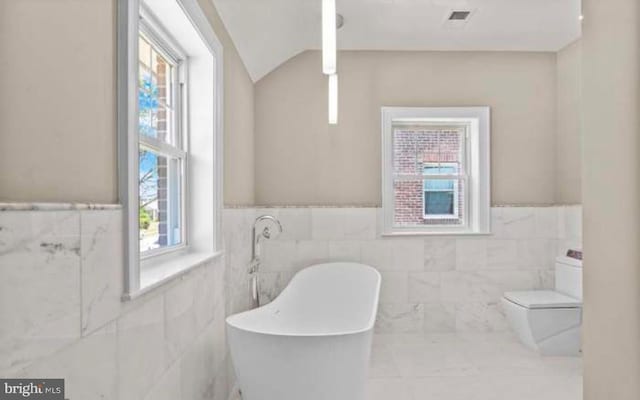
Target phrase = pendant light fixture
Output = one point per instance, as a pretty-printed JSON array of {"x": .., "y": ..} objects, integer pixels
[
  {"x": 329, "y": 46},
  {"x": 330, "y": 56},
  {"x": 333, "y": 99}
]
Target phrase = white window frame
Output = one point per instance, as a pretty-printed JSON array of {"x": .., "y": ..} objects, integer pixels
[
  {"x": 203, "y": 234},
  {"x": 168, "y": 47},
  {"x": 456, "y": 193},
  {"x": 477, "y": 183}
]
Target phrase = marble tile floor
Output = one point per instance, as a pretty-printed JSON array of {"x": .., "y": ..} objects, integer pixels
[{"x": 468, "y": 366}]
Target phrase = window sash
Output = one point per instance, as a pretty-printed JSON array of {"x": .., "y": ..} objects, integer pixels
[
  {"x": 161, "y": 42},
  {"x": 172, "y": 181},
  {"x": 456, "y": 203}
]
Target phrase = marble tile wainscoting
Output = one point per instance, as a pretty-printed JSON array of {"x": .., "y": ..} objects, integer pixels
[
  {"x": 430, "y": 284},
  {"x": 61, "y": 314}
]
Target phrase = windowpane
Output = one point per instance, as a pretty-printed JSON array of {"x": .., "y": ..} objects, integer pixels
[
  {"x": 418, "y": 147},
  {"x": 160, "y": 180},
  {"x": 439, "y": 185},
  {"x": 155, "y": 99},
  {"x": 439, "y": 203}
]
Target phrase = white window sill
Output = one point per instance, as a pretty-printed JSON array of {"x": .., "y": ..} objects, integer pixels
[
  {"x": 168, "y": 269},
  {"x": 444, "y": 233}
]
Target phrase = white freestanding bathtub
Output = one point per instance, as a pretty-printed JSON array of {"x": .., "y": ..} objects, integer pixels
[{"x": 313, "y": 341}]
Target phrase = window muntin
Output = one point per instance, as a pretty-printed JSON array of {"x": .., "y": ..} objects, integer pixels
[{"x": 162, "y": 157}]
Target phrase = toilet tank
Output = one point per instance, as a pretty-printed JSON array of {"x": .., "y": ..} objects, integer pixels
[{"x": 569, "y": 276}]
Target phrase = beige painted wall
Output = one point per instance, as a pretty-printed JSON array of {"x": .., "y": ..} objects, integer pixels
[
  {"x": 300, "y": 159},
  {"x": 57, "y": 103},
  {"x": 238, "y": 118},
  {"x": 568, "y": 139},
  {"x": 57, "y": 100},
  {"x": 611, "y": 197}
]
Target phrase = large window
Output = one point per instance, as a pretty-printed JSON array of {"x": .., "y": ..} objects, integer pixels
[
  {"x": 436, "y": 170},
  {"x": 169, "y": 136},
  {"x": 162, "y": 136}
]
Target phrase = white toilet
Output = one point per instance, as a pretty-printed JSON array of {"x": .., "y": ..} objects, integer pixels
[{"x": 549, "y": 321}]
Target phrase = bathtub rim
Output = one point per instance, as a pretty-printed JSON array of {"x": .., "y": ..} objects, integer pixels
[{"x": 370, "y": 325}]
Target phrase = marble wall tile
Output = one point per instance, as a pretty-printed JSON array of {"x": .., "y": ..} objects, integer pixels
[
  {"x": 310, "y": 252},
  {"x": 180, "y": 316},
  {"x": 40, "y": 285},
  {"x": 408, "y": 254},
  {"x": 88, "y": 366},
  {"x": 502, "y": 254},
  {"x": 296, "y": 222},
  {"x": 360, "y": 224},
  {"x": 514, "y": 222},
  {"x": 101, "y": 267},
  {"x": 277, "y": 255},
  {"x": 61, "y": 312},
  {"x": 168, "y": 386},
  {"x": 546, "y": 223},
  {"x": 141, "y": 349},
  {"x": 536, "y": 253},
  {"x": 400, "y": 318},
  {"x": 378, "y": 254},
  {"x": 327, "y": 224},
  {"x": 471, "y": 254},
  {"x": 439, "y": 317},
  {"x": 439, "y": 254},
  {"x": 345, "y": 250},
  {"x": 484, "y": 286},
  {"x": 202, "y": 363},
  {"x": 424, "y": 287},
  {"x": 394, "y": 287},
  {"x": 209, "y": 293},
  {"x": 343, "y": 223},
  {"x": 237, "y": 224}
]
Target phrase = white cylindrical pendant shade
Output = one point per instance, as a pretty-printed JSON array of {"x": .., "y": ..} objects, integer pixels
[
  {"x": 333, "y": 99},
  {"x": 329, "y": 46}
]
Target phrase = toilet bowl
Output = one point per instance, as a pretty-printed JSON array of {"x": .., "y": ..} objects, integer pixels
[{"x": 549, "y": 321}]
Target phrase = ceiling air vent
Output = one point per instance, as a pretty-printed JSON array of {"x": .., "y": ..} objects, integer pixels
[{"x": 459, "y": 15}]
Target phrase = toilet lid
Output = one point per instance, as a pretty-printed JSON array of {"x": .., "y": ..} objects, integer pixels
[{"x": 543, "y": 299}]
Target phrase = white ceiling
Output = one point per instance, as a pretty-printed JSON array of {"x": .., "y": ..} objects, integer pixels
[{"x": 269, "y": 32}]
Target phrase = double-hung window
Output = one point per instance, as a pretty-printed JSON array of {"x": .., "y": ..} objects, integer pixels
[
  {"x": 170, "y": 97},
  {"x": 162, "y": 136},
  {"x": 435, "y": 170}
]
